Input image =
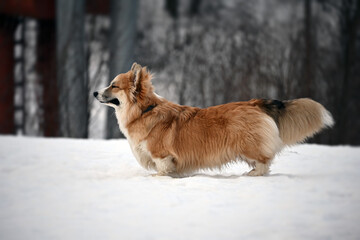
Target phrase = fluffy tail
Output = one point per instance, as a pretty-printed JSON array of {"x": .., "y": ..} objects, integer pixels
[{"x": 298, "y": 119}]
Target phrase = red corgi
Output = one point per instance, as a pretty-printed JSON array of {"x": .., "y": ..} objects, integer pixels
[{"x": 174, "y": 140}]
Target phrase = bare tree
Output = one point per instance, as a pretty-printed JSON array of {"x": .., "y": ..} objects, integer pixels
[
  {"x": 349, "y": 26},
  {"x": 7, "y": 28},
  {"x": 172, "y": 6},
  {"x": 71, "y": 75},
  {"x": 46, "y": 68},
  {"x": 309, "y": 64},
  {"x": 122, "y": 44}
]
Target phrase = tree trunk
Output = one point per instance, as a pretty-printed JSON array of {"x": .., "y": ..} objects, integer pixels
[
  {"x": 47, "y": 72},
  {"x": 309, "y": 51},
  {"x": 7, "y": 27},
  {"x": 71, "y": 77},
  {"x": 172, "y": 7},
  {"x": 349, "y": 27},
  {"x": 194, "y": 7},
  {"x": 122, "y": 44}
]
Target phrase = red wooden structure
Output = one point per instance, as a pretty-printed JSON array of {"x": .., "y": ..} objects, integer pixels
[{"x": 44, "y": 12}]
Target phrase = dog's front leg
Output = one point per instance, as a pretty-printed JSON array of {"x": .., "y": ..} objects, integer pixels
[
  {"x": 165, "y": 166},
  {"x": 260, "y": 169}
]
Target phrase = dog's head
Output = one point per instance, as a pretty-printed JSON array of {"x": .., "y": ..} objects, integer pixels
[{"x": 126, "y": 89}]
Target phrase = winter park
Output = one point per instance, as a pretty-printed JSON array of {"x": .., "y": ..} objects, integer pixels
[{"x": 167, "y": 119}]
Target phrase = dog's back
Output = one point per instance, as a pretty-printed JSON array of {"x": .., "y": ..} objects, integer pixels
[
  {"x": 214, "y": 136},
  {"x": 253, "y": 131}
]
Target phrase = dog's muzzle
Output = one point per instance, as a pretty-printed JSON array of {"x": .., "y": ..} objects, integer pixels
[{"x": 114, "y": 101}]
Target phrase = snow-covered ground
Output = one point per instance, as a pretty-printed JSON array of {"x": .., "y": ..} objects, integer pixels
[{"x": 94, "y": 189}]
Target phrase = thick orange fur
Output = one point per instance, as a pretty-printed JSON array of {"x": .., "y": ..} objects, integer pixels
[{"x": 175, "y": 139}]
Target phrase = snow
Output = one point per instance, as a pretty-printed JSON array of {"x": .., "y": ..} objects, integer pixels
[{"x": 94, "y": 189}]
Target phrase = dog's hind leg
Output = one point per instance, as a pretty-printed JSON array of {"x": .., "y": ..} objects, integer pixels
[{"x": 165, "y": 166}]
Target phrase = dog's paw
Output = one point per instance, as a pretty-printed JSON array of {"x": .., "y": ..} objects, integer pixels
[
  {"x": 159, "y": 174},
  {"x": 254, "y": 173}
]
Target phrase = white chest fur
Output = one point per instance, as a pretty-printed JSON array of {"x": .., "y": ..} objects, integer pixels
[
  {"x": 139, "y": 149},
  {"x": 121, "y": 119}
]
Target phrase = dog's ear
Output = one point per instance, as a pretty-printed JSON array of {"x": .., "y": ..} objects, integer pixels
[
  {"x": 141, "y": 81},
  {"x": 135, "y": 65},
  {"x": 136, "y": 68}
]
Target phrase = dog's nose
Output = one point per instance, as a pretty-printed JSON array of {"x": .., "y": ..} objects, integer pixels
[{"x": 95, "y": 94}]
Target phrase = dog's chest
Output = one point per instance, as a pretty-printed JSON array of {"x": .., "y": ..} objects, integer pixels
[
  {"x": 139, "y": 149},
  {"x": 121, "y": 119}
]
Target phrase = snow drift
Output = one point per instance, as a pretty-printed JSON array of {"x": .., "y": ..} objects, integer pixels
[{"x": 94, "y": 189}]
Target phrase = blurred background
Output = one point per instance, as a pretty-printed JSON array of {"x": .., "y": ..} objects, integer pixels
[{"x": 55, "y": 53}]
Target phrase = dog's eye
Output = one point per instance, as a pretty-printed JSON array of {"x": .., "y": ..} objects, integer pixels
[{"x": 113, "y": 86}]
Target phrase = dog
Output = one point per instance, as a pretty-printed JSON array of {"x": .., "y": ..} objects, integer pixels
[{"x": 175, "y": 140}]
